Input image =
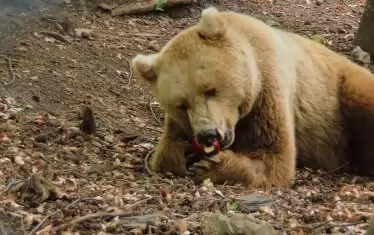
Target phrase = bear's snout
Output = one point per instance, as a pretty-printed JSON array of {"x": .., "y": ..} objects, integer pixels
[{"x": 207, "y": 137}]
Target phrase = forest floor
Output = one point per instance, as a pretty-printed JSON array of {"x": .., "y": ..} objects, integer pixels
[{"x": 51, "y": 174}]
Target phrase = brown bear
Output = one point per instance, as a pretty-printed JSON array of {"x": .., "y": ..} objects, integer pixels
[{"x": 271, "y": 98}]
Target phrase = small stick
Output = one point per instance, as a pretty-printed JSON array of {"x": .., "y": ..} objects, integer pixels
[
  {"x": 57, "y": 36},
  {"x": 92, "y": 216},
  {"x": 12, "y": 76},
  {"x": 23, "y": 226},
  {"x": 10, "y": 185},
  {"x": 79, "y": 200},
  {"x": 131, "y": 74},
  {"x": 345, "y": 224},
  {"x": 104, "y": 149},
  {"x": 140, "y": 202},
  {"x": 153, "y": 113},
  {"x": 153, "y": 173},
  {"x": 37, "y": 227},
  {"x": 152, "y": 128}
]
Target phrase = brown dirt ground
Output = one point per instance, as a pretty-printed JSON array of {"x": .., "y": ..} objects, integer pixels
[{"x": 53, "y": 80}]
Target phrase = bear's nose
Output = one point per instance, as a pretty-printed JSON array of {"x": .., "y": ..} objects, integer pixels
[{"x": 207, "y": 137}]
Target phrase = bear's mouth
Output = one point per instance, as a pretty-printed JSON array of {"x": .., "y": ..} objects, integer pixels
[{"x": 213, "y": 146}]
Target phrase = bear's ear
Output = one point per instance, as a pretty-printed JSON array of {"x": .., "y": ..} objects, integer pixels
[
  {"x": 144, "y": 67},
  {"x": 211, "y": 26}
]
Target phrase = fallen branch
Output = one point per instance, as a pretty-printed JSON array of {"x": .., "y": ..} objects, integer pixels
[
  {"x": 12, "y": 75},
  {"x": 10, "y": 185},
  {"x": 327, "y": 225},
  {"x": 80, "y": 200},
  {"x": 146, "y": 6},
  {"x": 37, "y": 227},
  {"x": 344, "y": 224},
  {"x": 92, "y": 216},
  {"x": 57, "y": 36}
]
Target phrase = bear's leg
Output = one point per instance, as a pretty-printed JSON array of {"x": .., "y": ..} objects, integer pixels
[
  {"x": 255, "y": 170},
  {"x": 357, "y": 97},
  {"x": 169, "y": 155}
]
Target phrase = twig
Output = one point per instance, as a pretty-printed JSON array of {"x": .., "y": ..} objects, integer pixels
[
  {"x": 153, "y": 113},
  {"x": 80, "y": 175},
  {"x": 145, "y": 35},
  {"x": 91, "y": 216},
  {"x": 345, "y": 224},
  {"x": 139, "y": 202},
  {"x": 104, "y": 149},
  {"x": 57, "y": 36},
  {"x": 23, "y": 226},
  {"x": 141, "y": 219},
  {"x": 325, "y": 225},
  {"x": 330, "y": 171},
  {"x": 37, "y": 227},
  {"x": 131, "y": 73},
  {"x": 146, "y": 159},
  {"x": 100, "y": 141},
  {"x": 12, "y": 76},
  {"x": 10, "y": 185},
  {"x": 79, "y": 200},
  {"x": 336, "y": 169},
  {"x": 152, "y": 128}
]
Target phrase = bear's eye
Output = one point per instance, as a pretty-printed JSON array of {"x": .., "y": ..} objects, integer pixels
[
  {"x": 210, "y": 93},
  {"x": 182, "y": 107}
]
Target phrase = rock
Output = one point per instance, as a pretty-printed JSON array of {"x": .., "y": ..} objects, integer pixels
[
  {"x": 215, "y": 224},
  {"x": 69, "y": 149},
  {"x": 341, "y": 31},
  {"x": 14, "y": 112},
  {"x": 361, "y": 55},
  {"x": 349, "y": 36},
  {"x": 254, "y": 202},
  {"x": 34, "y": 78},
  {"x": 109, "y": 138},
  {"x": 153, "y": 45},
  {"x": 83, "y": 33},
  {"x": 18, "y": 160},
  {"x": 73, "y": 132}
]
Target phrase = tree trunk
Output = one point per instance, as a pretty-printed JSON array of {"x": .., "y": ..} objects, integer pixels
[{"x": 365, "y": 33}]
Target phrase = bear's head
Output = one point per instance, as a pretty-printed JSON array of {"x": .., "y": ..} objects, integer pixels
[{"x": 202, "y": 78}]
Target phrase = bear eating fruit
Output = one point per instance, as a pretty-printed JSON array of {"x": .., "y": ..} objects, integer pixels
[{"x": 272, "y": 100}]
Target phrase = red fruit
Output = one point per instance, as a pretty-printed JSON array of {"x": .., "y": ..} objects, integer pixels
[
  {"x": 217, "y": 146},
  {"x": 200, "y": 147}
]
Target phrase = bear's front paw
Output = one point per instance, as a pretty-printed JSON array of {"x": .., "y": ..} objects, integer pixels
[{"x": 205, "y": 168}]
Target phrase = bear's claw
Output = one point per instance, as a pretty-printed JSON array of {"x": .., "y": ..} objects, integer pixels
[{"x": 203, "y": 166}]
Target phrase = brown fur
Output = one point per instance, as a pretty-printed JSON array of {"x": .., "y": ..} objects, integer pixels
[{"x": 281, "y": 95}]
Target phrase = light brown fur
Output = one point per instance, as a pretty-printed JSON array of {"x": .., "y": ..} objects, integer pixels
[{"x": 284, "y": 97}]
